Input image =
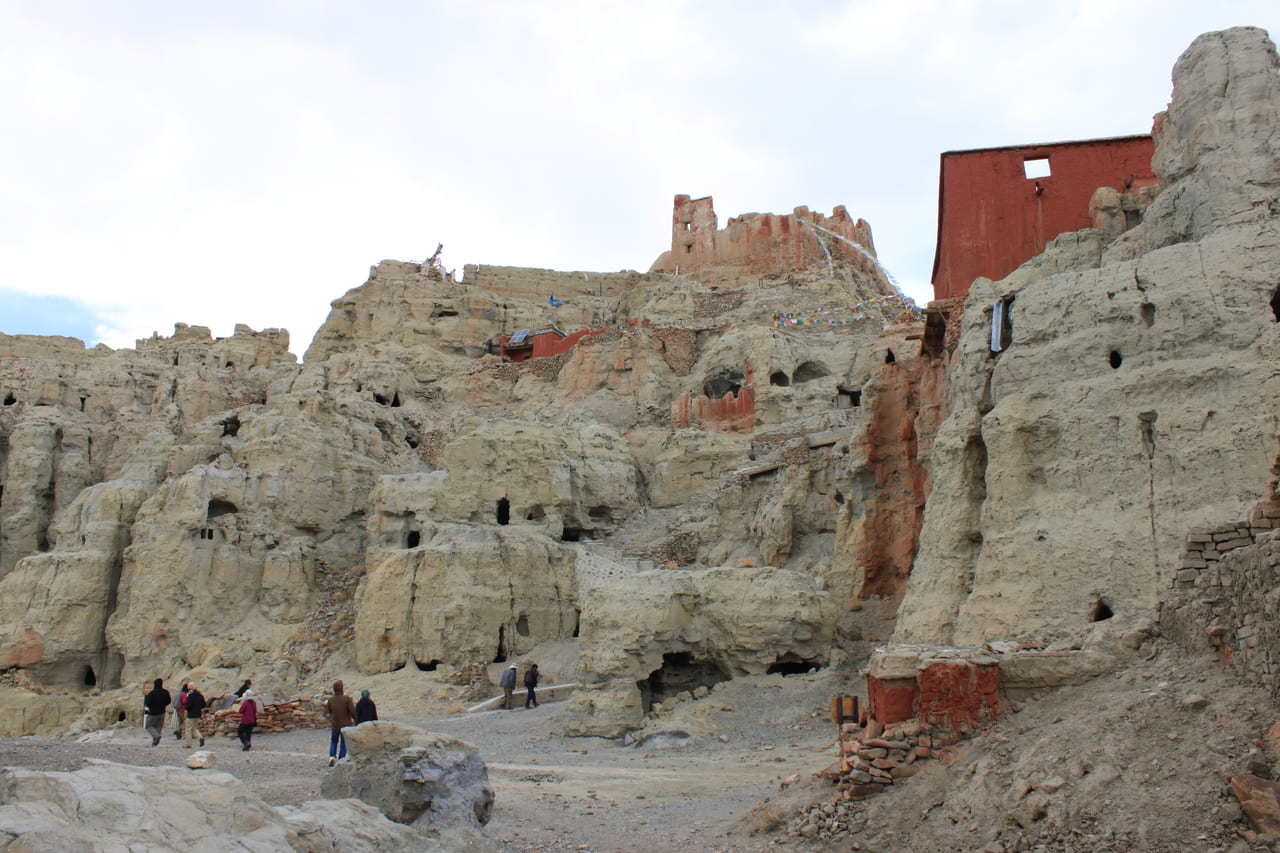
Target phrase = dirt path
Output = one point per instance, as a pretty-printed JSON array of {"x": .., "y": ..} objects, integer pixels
[{"x": 554, "y": 793}]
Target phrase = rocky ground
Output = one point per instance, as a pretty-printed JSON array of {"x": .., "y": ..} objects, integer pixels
[{"x": 1134, "y": 761}]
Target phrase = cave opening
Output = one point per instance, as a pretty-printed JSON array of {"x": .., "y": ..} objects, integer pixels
[
  {"x": 231, "y": 426},
  {"x": 1275, "y": 312},
  {"x": 577, "y": 622},
  {"x": 395, "y": 400},
  {"x": 679, "y": 672},
  {"x": 810, "y": 371},
  {"x": 575, "y": 534},
  {"x": 90, "y": 677},
  {"x": 522, "y": 625},
  {"x": 725, "y": 381},
  {"x": 1102, "y": 612},
  {"x": 429, "y": 666},
  {"x": 779, "y": 378},
  {"x": 503, "y": 511},
  {"x": 413, "y": 540},
  {"x": 791, "y": 664},
  {"x": 889, "y": 357},
  {"x": 9, "y": 399},
  {"x": 1115, "y": 359},
  {"x": 218, "y": 507},
  {"x": 501, "y": 656}
]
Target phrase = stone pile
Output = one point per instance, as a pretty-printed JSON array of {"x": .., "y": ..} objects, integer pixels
[
  {"x": 873, "y": 757},
  {"x": 273, "y": 718}
]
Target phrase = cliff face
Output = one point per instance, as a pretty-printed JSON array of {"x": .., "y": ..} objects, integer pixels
[
  {"x": 1138, "y": 396},
  {"x": 408, "y": 498}
]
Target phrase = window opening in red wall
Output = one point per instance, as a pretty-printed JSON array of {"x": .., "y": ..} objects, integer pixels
[{"x": 1036, "y": 167}]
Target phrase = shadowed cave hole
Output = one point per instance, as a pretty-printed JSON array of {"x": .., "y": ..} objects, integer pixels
[
  {"x": 535, "y": 513},
  {"x": 9, "y": 399},
  {"x": 412, "y": 441},
  {"x": 726, "y": 381},
  {"x": 219, "y": 507},
  {"x": 501, "y": 656},
  {"x": 575, "y": 534},
  {"x": 889, "y": 357},
  {"x": 90, "y": 678},
  {"x": 1101, "y": 612},
  {"x": 848, "y": 398},
  {"x": 779, "y": 378},
  {"x": 503, "y": 511},
  {"x": 810, "y": 371},
  {"x": 577, "y": 621},
  {"x": 522, "y": 625},
  {"x": 429, "y": 666},
  {"x": 1275, "y": 314},
  {"x": 231, "y": 426},
  {"x": 1115, "y": 359},
  {"x": 679, "y": 672},
  {"x": 413, "y": 540},
  {"x": 790, "y": 664}
]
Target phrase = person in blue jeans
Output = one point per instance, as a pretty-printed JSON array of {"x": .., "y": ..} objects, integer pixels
[{"x": 342, "y": 713}]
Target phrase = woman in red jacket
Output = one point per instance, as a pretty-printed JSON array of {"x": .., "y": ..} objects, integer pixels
[{"x": 248, "y": 719}]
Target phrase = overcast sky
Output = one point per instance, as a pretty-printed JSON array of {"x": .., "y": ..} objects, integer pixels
[{"x": 227, "y": 162}]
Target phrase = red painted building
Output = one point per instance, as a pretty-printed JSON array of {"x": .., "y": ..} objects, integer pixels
[
  {"x": 998, "y": 207},
  {"x": 541, "y": 343}
]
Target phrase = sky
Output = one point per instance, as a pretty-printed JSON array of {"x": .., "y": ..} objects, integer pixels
[{"x": 247, "y": 162}]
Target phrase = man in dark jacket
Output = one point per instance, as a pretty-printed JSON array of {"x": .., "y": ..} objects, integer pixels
[
  {"x": 366, "y": 711},
  {"x": 530, "y": 686},
  {"x": 154, "y": 708},
  {"x": 342, "y": 713},
  {"x": 195, "y": 710}
]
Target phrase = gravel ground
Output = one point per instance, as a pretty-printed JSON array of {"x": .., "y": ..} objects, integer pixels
[{"x": 1136, "y": 760}]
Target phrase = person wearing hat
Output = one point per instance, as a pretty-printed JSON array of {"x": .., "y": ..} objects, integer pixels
[
  {"x": 508, "y": 685},
  {"x": 248, "y": 719},
  {"x": 366, "y": 711}
]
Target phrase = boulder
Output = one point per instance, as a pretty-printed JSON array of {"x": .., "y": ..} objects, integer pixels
[
  {"x": 116, "y": 806},
  {"x": 434, "y": 782}
]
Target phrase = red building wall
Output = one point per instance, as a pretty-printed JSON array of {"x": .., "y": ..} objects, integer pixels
[{"x": 992, "y": 217}]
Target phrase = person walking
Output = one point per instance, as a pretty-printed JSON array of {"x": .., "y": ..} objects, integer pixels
[
  {"x": 154, "y": 707},
  {"x": 366, "y": 711},
  {"x": 248, "y": 719},
  {"x": 342, "y": 713},
  {"x": 530, "y": 686},
  {"x": 508, "y": 685},
  {"x": 195, "y": 710},
  {"x": 179, "y": 712}
]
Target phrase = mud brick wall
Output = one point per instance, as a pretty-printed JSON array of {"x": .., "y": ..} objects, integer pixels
[{"x": 958, "y": 697}]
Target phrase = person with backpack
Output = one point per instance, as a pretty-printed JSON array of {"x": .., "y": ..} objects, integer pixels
[
  {"x": 248, "y": 719},
  {"x": 530, "y": 686},
  {"x": 179, "y": 712},
  {"x": 154, "y": 707},
  {"x": 195, "y": 710}
]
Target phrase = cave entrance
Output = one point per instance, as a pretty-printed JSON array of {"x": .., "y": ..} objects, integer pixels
[
  {"x": 220, "y": 507},
  {"x": 413, "y": 540},
  {"x": 679, "y": 672},
  {"x": 429, "y": 666},
  {"x": 725, "y": 381},
  {"x": 503, "y": 511},
  {"x": 790, "y": 664},
  {"x": 501, "y": 656}
]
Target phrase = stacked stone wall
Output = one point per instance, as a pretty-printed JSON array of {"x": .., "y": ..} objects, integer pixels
[{"x": 1226, "y": 593}]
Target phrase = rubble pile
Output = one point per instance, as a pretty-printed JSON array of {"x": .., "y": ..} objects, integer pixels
[
  {"x": 273, "y": 717},
  {"x": 873, "y": 757}
]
